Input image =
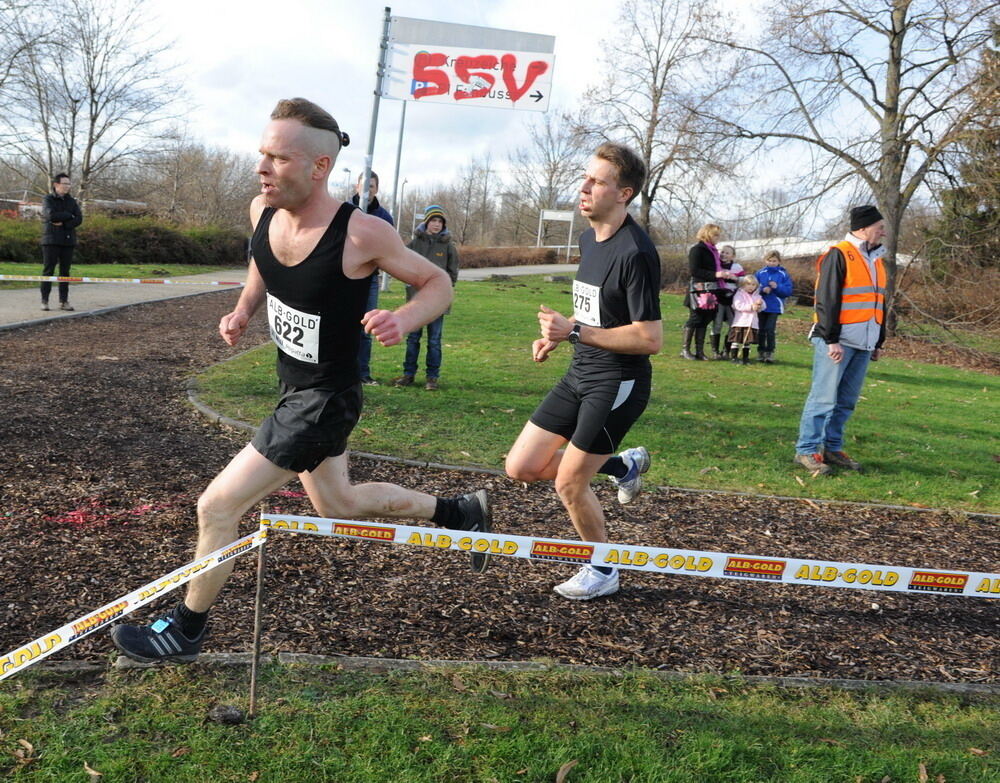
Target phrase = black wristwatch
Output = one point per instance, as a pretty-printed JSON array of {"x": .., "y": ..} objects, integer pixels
[{"x": 574, "y": 335}]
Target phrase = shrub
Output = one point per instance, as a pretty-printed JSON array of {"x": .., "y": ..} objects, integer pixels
[{"x": 129, "y": 240}]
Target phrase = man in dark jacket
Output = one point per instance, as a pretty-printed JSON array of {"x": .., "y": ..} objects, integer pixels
[
  {"x": 60, "y": 217},
  {"x": 376, "y": 209},
  {"x": 433, "y": 241},
  {"x": 848, "y": 331}
]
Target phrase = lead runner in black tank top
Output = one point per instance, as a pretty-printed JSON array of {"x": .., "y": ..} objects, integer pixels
[{"x": 313, "y": 308}]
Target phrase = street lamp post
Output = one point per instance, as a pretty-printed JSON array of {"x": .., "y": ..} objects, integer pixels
[{"x": 347, "y": 183}]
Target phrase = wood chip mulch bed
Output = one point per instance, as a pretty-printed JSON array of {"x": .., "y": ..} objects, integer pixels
[{"x": 102, "y": 460}]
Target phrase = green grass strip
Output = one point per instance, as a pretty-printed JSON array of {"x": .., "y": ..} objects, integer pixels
[
  {"x": 927, "y": 434},
  {"x": 475, "y": 725}
]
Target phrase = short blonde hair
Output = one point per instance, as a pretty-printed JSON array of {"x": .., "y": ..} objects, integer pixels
[
  {"x": 772, "y": 254},
  {"x": 708, "y": 233},
  {"x": 748, "y": 279}
]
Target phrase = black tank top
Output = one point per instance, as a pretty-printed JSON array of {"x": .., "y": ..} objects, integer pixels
[{"x": 313, "y": 310}]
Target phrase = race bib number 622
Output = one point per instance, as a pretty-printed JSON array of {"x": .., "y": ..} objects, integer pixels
[{"x": 294, "y": 332}]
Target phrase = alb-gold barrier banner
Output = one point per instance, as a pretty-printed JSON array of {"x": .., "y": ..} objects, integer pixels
[
  {"x": 74, "y": 631},
  {"x": 688, "y": 562}
]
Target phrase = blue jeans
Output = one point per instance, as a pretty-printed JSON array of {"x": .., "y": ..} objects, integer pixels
[
  {"x": 434, "y": 329},
  {"x": 765, "y": 336},
  {"x": 365, "y": 347},
  {"x": 832, "y": 397}
]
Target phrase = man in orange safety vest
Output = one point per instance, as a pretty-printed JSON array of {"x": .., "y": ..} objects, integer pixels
[{"x": 848, "y": 331}]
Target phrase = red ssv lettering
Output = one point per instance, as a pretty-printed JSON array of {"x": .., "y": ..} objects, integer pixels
[
  {"x": 462, "y": 71},
  {"x": 425, "y": 69},
  {"x": 535, "y": 69}
]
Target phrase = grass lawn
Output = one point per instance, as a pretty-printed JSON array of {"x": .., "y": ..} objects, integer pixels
[
  {"x": 103, "y": 270},
  {"x": 469, "y": 724},
  {"x": 928, "y": 435}
]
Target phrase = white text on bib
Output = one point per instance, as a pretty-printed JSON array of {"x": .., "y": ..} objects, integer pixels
[
  {"x": 587, "y": 303},
  {"x": 294, "y": 332}
]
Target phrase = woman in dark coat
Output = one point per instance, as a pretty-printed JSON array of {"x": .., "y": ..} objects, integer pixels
[{"x": 706, "y": 270}]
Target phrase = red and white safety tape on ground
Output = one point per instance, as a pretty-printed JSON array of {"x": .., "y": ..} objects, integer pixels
[
  {"x": 74, "y": 631},
  {"x": 130, "y": 280},
  {"x": 720, "y": 565}
]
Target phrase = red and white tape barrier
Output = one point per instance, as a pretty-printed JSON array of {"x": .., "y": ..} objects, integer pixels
[
  {"x": 129, "y": 280},
  {"x": 74, "y": 631},
  {"x": 720, "y": 565}
]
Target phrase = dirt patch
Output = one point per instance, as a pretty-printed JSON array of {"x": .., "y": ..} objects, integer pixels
[{"x": 102, "y": 462}]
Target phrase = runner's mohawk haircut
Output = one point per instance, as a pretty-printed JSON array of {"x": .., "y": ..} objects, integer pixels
[{"x": 310, "y": 115}]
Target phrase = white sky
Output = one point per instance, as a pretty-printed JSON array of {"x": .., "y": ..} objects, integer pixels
[{"x": 236, "y": 58}]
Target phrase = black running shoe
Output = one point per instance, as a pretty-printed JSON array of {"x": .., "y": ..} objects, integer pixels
[
  {"x": 159, "y": 642},
  {"x": 475, "y": 512}
]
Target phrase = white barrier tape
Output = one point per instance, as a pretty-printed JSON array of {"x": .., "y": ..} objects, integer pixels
[
  {"x": 74, "y": 631},
  {"x": 720, "y": 565},
  {"x": 130, "y": 280}
]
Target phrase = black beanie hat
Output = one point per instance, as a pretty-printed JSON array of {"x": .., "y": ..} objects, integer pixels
[{"x": 862, "y": 217}]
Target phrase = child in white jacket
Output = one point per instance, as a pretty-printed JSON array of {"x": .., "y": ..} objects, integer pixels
[{"x": 746, "y": 304}]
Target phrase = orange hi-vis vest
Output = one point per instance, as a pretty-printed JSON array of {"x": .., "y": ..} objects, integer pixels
[{"x": 863, "y": 298}]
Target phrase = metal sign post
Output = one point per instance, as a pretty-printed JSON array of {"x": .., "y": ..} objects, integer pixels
[{"x": 383, "y": 59}]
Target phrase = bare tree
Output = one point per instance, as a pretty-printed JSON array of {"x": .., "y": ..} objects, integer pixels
[
  {"x": 93, "y": 92},
  {"x": 656, "y": 69},
  {"x": 874, "y": 93},
  {"x": 544, "y": 174}
]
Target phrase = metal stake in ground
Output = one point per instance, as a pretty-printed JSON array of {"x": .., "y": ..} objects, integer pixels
[{"x": 258, "y": 618}]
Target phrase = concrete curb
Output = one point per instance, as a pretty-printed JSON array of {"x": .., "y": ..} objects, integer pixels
[
  {"x": 385, "y": 665},
  {"x": 100, "y": 311},
  {"x": 225, "y": 421}
]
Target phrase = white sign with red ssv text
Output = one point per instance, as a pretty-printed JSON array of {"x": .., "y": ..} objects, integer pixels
[{"x": 461, "y": 65}]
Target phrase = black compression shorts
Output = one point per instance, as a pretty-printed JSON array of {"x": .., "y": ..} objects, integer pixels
[
  {"x": 593, "y": 415},
  {"x": 308, "y": 425}
]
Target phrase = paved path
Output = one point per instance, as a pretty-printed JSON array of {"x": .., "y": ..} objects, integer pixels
[{"x": 22, "y": 306}]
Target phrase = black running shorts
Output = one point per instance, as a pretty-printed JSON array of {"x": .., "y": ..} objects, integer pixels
[
  {"x": 593, "y": 415},
  {"x": 308, "y": 425}
]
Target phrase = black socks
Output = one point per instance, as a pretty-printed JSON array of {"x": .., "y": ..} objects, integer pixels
[
  {"x": 615, "y": 466},
  {"x": 191, "y": 623},
  {"x": 447, "y": 514}
]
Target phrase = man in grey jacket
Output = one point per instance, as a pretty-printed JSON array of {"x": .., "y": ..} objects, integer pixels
[
  {"x": 60, "y": 217},
  {"x": 433, "y": 242}
]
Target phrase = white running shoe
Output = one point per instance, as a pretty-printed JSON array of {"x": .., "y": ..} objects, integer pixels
[
  {"x": 588, "y": 583},
  {"x": 637, "y": 462}
]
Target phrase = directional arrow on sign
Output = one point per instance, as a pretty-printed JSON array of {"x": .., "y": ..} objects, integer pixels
[{"x": 537, "y": 95}]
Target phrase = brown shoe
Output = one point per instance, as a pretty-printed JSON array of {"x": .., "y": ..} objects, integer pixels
[
  {"x": 403, "y": 380},
  {"x": 813, "y": 463},
  {"x": 431, "y": 385},
  {"x": 841, "y": 460}
]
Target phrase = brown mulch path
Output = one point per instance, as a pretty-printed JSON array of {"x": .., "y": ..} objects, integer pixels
[{"x": 102, "y": 460}]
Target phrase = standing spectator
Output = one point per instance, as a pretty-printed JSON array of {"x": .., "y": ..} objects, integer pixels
[
  {"x": 724, "y": 311},
  {"x": 775, "y": 288},
  {"x": 747, "y": 303},
  {"x": 848, "y": 332},
  {"x": 376, "y": 209},
  {"x": 705, "y": 266},
  {"x": 60, "y": 217},
  {"x": 433, "y": 241}
]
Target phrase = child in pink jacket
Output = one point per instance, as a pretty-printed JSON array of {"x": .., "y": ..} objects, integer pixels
[{"x": 746, "y": 304}]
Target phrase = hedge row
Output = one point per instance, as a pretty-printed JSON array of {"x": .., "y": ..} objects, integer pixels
[{"x": 125, "y": 240}]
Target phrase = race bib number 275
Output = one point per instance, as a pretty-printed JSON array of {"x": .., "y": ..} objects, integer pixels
[
  {"x": 586, "y": 303},
  {"x": 294, "y": 332}
]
